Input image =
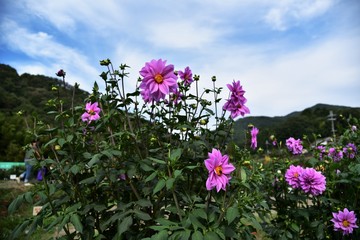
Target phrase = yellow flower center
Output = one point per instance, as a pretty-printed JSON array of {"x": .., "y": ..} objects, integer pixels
[
  {"x": 159, "y": 78},
  {"x": 218, "y": 170},
  {"x": 91, "y": 112},
  {"x": 345, "y": 223},
  {"x": 296, "y": 175}
]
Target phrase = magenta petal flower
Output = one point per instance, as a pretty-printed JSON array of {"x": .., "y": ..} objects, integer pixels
[
  {"x": 344, "y": 221},
  {"x": 350, "y": 150},
  {"x": 292, "y": 176},
  {"x": 294, "y": 146},
  {"x": 254, "y": 132},
  {"x": 158, "y": 78},
  {"x": 186, "y": 76},
  {"x": 312, "y": 181},
  {"x": 91, "y": 112},
  {"x": 219, "y": 169},
  {"x": 236, "y": 103}
]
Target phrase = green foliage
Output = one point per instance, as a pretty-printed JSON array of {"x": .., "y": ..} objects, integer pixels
[{"x": 138, "y": 172}]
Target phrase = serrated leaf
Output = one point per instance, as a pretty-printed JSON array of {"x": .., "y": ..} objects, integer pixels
[
  {"x": 159, "y": 186},
  {"x": 124, "y": 225}
]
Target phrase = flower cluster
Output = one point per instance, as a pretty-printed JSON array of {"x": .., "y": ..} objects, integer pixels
[
  {"x": 294, "y": 146},
  {"x": 219, "y": 169},
  {"x": 344, "y": 221},
  {"x": 308, "y": 179},
  {"x": 236, "y": 103},
  {"x": 336, "y": 154}
]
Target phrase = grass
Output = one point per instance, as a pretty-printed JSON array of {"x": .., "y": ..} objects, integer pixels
[{"x": 9, "y": 190}]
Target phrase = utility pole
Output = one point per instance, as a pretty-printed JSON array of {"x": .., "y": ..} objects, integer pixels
[{"x": 332, "y": 118}]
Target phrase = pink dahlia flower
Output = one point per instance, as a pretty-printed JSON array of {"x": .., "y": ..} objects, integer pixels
[
  {"x": 335, "y": 154},
  {"x": 91, "y": 112},
  {"x": 186, "y": 76},
  {"x": 294, "y": 146},
  {"x": 292, "y": 176},
  {"x": 236, "y": 103},
  {"x": 159, "y": 79},
  {"x": 312, "y": 181},
  {"x": 254, "y": 132},
  {"x": 350, "y": 150},
  {"x": 219, "y": 169},
  {"x": 344, "y": 221}
]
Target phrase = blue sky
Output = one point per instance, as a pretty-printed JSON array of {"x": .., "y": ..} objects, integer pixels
[{"x": 288, "y": 54}]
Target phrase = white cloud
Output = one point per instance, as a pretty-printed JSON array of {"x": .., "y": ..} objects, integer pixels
[{"x": 289, "y": 12}]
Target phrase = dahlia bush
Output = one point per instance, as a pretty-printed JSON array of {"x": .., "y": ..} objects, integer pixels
[{"x": 160, "y": 163}]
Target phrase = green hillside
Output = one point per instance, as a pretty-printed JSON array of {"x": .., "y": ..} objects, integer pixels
[
  {"x": 313, "y": 120},
  {"x": 29, "y": 95}
]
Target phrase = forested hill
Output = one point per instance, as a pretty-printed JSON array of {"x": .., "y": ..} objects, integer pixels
[
  {"x": 312, "y": 120},
  {"x": 29, "y": 94}
]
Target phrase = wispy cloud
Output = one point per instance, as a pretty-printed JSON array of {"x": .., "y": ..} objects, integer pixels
[{"x": 286, "y": 13}]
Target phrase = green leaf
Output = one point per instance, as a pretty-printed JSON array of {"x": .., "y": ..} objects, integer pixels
[
  {"x": 197, "y": 236},
  {"x": 124, "y": 225},
  {"x": 295, "y": 227},
  {"x": 142, "y": 215},
  {"x": 69, "y": 138},
  {"x": 175, "y": 154},
  {"x": 146, "y": 167},
  {"x": 162, "y": 235},
  {"x": 89, "y": 180},
  {"x": 151, "y": 177},
  {"x": 195, "y": 222},
  {"x": 157, "y": 160},
  {"x": 231, "y": 214},
  {"x": 144, "y": 203},
  {"x": 14, "y": 205},
  {"x": 243, "y": 174},
  {"x": 177, "y": 173},
  {"x": 170, "y": 183},
  {"x": 95, "y": 159},
  {"x": 211, "y": 236},
  {"x": 75, "y": 169},
  {"x": 200, "y": 213},
  {"x": 28, "y": 197},
  {"x": 185, "y": 234},
  {"x": 75, "y": 220},
  {"x": 160, "y": 185},
  {"x": 61, "y": 141}
]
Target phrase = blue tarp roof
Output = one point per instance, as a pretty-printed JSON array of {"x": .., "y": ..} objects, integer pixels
[{"x": 9, "y": 165}]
